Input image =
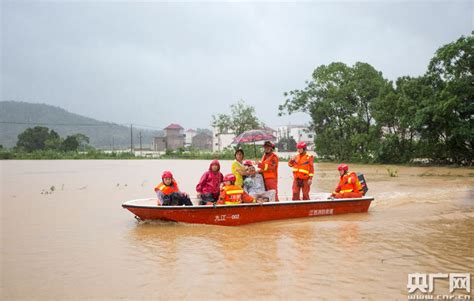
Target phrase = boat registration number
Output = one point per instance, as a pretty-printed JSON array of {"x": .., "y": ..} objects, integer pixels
[
  {"x": 321, "y": 212},
  {"x": 223, "y": 217}
]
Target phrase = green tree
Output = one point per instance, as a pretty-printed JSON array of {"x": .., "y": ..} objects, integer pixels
[
  {"x": 241, "y": 119},
  {"x": 38, "y": 138},
  {"x": 70, "y": 143},
  {"x": 83, "y": 141},
  {"x": 339, "y": 100},
  {"x": 445, "y": 120},
  {"x": 53, "y": 142},
  {"x": 395, "y": 114}
]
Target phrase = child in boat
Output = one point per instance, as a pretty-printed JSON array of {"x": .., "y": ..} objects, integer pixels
[
  {"x": 210, "y": 183},
  {"x": 168, "y": 192},
  {"x": 254, "y": 185},
  {"x": 349, "y": 185},
  {"x": 233, "y": 194}
]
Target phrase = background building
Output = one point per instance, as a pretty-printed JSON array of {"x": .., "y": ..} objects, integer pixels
[
  {"x": 202, "y": 141},
  {"x": 174, "y": 138},
  {"x": 188, "y": 141},
  {"x": 221, "y": 140},
  {"x": 297, "y": 132}
]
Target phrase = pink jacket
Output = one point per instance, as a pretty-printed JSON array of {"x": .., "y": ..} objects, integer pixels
[{"x": 210, "y": 181}]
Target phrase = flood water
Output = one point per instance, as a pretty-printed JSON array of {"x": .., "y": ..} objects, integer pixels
[{"x": 65, "y": 236}]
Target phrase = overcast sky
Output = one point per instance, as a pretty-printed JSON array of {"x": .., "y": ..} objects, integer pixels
[{"x": 156, "y": 63}]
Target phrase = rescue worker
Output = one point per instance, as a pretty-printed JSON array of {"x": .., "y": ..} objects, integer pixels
[
  {"x": 210, "y": 183},
  {"x": 303, "y": 172},
  {"x": 232, "y": 194},
  {"x": 268, "y": 167},
  {"x": 168, "y": 192},
  {"x": 349, "y": 185},
  {"x": 238, "y": 168}
]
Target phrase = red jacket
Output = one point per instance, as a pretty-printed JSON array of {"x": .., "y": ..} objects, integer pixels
[{"x": 210, "y": 181}]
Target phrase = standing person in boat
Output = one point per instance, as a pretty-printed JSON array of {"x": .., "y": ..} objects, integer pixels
[
  {"x": 303, "y": 172},
  {"x": 255, "y": 186},
  {"x": 238, "y": 168},
  {"x": 232, "y": 194},
  {"x": 209, "y": 185},
  {"x": 268, "y": 167},
  {"x": 168, "y": 192},
  {"x": 349, "y": 185}
]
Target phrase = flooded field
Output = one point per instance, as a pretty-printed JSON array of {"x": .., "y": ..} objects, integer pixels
[{"x": 65, "y": 236}]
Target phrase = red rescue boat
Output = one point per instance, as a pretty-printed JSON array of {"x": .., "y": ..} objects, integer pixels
[{"x": 241, "y": 214}]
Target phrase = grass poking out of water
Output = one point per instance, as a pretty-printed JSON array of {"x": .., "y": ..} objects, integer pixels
[{"x": 392, "y": 172}]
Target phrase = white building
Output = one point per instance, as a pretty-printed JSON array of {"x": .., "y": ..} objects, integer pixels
[
  {"x": 188, "y": 140},
  {"x": 221, "y": 140},
  {"x": 297, "y": 132}
]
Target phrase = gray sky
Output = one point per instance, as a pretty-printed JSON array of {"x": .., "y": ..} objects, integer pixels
[{"x": 155, "y": 63}]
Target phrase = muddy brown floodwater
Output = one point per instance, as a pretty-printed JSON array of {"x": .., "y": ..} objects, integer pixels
[{"x": 65, "y": 236}]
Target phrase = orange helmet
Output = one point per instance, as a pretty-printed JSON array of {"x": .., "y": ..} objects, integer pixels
[
  {"x": 229, "y": 177},
  {"x": 167, "y": 174},
  {"x": 343, "y": 167},
  {"x": 301, "y": 145}
]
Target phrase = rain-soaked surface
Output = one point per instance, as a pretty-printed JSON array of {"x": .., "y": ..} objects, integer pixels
[{"x": 64, "y": 236}]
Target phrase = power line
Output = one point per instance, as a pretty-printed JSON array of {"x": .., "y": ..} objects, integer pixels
[
  {"x": 80, "y": 124},
  {"x": 62, "y": 124}
]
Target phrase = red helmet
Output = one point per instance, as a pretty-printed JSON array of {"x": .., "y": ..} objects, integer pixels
[
  {"x": 167, "y": 174},
  {"x": 269, "y": 143},
  {"x": 343, "y": 167},
  {"x": 248, "y": 163},
  {"x": 229, "y": 177},
  {"x": 301, "y": 145}
]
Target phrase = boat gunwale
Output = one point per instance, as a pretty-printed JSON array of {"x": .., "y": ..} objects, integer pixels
[{"x": 129, "y": 204}]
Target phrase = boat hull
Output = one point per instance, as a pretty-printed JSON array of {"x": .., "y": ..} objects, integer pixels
[{"x": 235, "y": 215}]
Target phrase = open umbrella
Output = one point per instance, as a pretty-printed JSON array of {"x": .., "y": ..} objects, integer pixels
[{"x": 253, "y": 136}]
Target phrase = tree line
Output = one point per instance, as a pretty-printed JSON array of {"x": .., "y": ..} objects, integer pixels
[
  {"x": 358, "y": 115},
  {"x": 41, "y": 138}
]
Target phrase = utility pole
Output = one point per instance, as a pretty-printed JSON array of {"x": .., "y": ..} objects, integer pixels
[
  {"x": 140, "y": 136},
  {"x": 113, "y": 144},
  {"x": 131, "y": 138}
]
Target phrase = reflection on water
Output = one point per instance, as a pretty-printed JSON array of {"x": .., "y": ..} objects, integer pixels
[{"x": 76, "y": 242}]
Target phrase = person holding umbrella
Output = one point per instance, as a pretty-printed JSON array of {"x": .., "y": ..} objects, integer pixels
[{"x": 268, "y": 167}]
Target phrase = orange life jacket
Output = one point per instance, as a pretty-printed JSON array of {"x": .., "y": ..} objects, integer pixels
[
  {"x": 303, "y": 166},
  {"x": 167, "y": 190},
  {"x": 349, "y": 182},
  {"x": 269, "y": 166},
  {"x": 233, "y": 194}
]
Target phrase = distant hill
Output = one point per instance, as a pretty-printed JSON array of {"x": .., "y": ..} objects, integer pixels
[{"x": 15, "y": 117}]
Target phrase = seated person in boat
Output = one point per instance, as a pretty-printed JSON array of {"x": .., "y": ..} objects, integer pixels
[
  {"x": 349, "y": 185},
  {"x": 209, "y": 185},
  {"x": 254, "y": 185},
  {"x": 232, "y": 194},
  {"x": 168, "y": 192},
  {"x": 238, "y": 168}
]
